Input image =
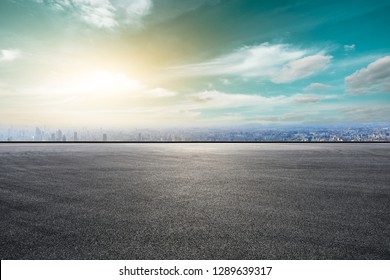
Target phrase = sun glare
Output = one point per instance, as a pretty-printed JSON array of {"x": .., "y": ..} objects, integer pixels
[{"x": 108, "y": 81}]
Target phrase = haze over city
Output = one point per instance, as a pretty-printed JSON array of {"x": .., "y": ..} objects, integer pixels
[{"x": 143, "y": 63}]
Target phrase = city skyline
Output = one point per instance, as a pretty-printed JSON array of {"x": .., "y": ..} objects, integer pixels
[
  {"x": 368, "y": 133},
  {"x": 144, "y": 63}
]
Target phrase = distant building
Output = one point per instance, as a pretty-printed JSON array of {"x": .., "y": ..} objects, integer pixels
[
  {"x": 63, "y": 138},
  {"x": 59, "y": 135},
  {"x": 38, "y": 134},
  {"x": 104, "y": 137},
  {"x": 75, "y": 136}
]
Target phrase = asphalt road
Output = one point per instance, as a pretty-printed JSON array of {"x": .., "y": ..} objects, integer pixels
[{"x": 195, "y": 201}]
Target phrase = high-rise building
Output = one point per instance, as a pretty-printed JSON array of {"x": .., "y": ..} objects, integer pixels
[
  {"x": 38, "y": 134},
  {"x": 59, "y": 135},
  {"x": 75, "y": 136},
  {"x": 104, "y": 137}
]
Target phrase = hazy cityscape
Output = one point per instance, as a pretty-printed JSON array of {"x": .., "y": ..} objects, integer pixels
[{"x": 374, "y": 133}]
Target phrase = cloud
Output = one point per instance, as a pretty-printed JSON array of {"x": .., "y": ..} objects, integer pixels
[
  {"x": 136, "y": 10},
  {"x": 9, "y": 55},
  {"x": 248, "y": 61},
  {"x": 109, "y": 96},
  {"x": 311, "y": 98},
  {"x": 159, "y": 92},
  {"x": 103, "y": 13},
  {"x": 99, "y": 13},
  {"x": 213, "y": 99},
  {"x": 218, "y": 99},
  {"x": 101, "y": 84},
  {"x": 316, "y": 86},
  {"x": 373, "y": 113},
  {"x": 375, "y": 78},
  {"x": 280, "y": 63},
  {"x": 291, "y": 117},
  {"x": 225, "y": 81},
  {"x": 307, "y": 98},
  {"x": 349, "y": 48},
  {"x": 302, "y": 68}
]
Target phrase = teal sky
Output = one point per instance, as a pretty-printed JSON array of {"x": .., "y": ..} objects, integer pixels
[{"x": 162, "y": 63}]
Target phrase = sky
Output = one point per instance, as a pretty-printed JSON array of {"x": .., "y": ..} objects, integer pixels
[{"x": 191, "y": 63}]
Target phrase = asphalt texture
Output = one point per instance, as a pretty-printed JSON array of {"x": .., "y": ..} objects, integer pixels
[{"x": 195, "y": 201}]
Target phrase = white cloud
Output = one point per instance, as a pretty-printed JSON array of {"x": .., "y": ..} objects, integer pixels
[
  {"x": 225, "y": 81},
  {"x": 375, "y": 78},
  {"x": 100, "y": 13},
  {"x": 136, "y": 9},
  {"x": 114, "y": 97},
  {"x": 100, "y": 84},
  {"x": 372, "y": 113},
  {"x": 103, "y": 13},
  {"x": 9, "y": 55},
  {"x": 311, "y": 98},
  {"x": 159, "y": 92},
  {"x": 213, "y": 99},
  {"x": 307, "y": 98},
  {"x": 349, "y": 48},
  {"x": 218, "y": 99},
  {"x": 280, "y": 63},
  {"x": 302, "y": 68},
  {"x": 248, "y": 61},
  {"x": 316, "y": 86},
  {"x": 291, "y": 117}
]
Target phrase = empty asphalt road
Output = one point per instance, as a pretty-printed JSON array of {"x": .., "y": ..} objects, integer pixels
[{"x": 194, "y": 201}]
